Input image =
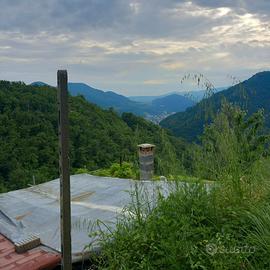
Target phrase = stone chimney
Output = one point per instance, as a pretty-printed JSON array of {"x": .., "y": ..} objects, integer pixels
[{"x": 146, "y": 158}]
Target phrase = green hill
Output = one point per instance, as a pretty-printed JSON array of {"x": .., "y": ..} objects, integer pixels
[
  {"x": 29, "y": 143},
  {"x": 251, "y": 95}
]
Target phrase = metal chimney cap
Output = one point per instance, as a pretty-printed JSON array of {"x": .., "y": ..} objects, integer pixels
[{"x": 146, "y": 145}]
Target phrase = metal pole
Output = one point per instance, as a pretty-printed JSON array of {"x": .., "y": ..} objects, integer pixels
[{"x": 62, "y": 80}]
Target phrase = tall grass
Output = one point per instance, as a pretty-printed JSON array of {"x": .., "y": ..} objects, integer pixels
[
  {"x": 224, "y": 224},
  {"x": 197, "y": 227}
]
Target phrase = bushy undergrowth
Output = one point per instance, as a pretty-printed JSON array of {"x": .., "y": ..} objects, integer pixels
[
  {"x": 124, "y": 170},
  {"x": 223, "y": 224},
  {"x": 196, "y": 227}
]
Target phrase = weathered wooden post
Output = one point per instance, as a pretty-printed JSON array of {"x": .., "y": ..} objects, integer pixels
[
  {"x": 146, "y": 158},
  {"x": 62, "y": 80}
]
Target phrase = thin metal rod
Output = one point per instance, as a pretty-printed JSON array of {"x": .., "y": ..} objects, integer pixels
[{"x": 62, "y": 80}]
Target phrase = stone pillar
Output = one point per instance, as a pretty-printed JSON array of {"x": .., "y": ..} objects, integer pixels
[{"x": 146, "y": 158}]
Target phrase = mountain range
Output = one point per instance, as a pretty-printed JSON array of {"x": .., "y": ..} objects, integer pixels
[
  {"x": 155, "y": 110},
  {"x": 195, "y": 95},
  {"x": 180, "y": 114},
  {"x": 251, "y": 95}
]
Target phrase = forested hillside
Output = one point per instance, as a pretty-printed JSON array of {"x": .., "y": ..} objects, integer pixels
[
  {"x": 250, "y": 95},
  {"x": 29, "y": 143}
]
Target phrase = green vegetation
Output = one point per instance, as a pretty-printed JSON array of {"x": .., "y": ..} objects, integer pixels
[
  {"x": 192, "y": 229},
  {"x": 231, "y": 145},
  {"x": 223, "y": 224},
  {"x": 251, "y": 95},
  {"x": 218, "y": 224},
  {"x": 124, "y": 170},
  {"x": 98, "y": 138}
]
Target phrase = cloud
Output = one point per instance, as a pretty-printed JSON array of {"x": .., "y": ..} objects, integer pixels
[
  {"x": 61, "y": 15},
  {"x": 240, "y": 6},
  {"x": 170, "y": 65},
  {"x": 154, "y": 82},
  {"x": 123, "y": 43}
]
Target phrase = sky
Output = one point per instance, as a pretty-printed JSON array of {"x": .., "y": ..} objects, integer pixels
[{"x": 134, "y": 47}]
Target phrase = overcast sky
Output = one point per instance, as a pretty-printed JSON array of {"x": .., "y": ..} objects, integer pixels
[{"x": 134, "y": 47}]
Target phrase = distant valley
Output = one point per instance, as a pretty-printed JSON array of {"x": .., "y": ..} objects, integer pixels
[
  {"x": 154, "y": 109},
  {"x": 195, "y": 95}
]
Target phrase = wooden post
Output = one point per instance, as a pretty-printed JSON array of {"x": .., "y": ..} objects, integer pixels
[{"x": 62, "y": 80}]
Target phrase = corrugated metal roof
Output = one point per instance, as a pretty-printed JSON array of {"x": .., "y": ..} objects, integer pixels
[
  {"x": 36, "y": 259},
  {"x": 36, "y": 210}
]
